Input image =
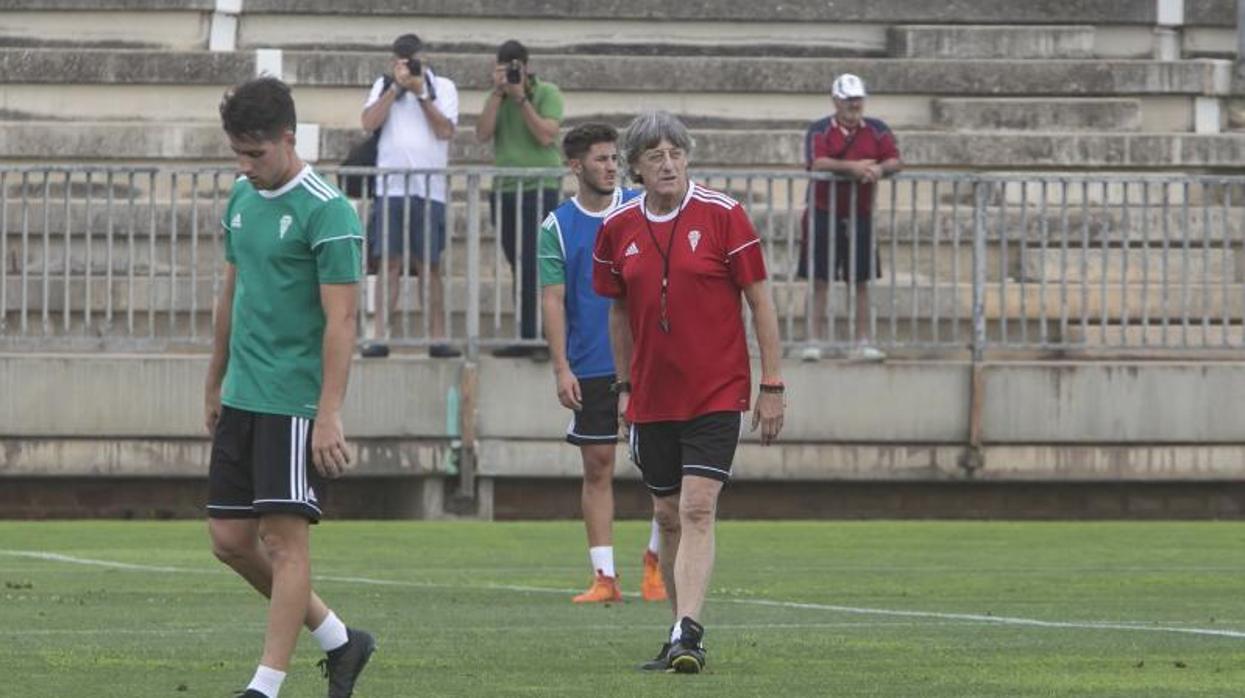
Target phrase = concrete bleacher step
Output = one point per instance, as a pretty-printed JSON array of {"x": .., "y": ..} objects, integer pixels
[
  {"x": 747, "y": 75},
  {"x": 173, "y": 25},
  {"x": 1214, "y": 334},
  {"x": 991, "y": 41},
  {"x": 135, "y": 142},
  {"x": 845, "y": 11},
  {"x": 1132, "y": 266},
  {"x": 1037, "y": 114}
]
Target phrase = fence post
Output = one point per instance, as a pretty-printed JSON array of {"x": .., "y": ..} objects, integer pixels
[
  {"x": 973, "y": 458},
  {"x": 464, "y": 501}
]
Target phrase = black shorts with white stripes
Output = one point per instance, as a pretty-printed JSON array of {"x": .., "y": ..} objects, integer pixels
[
  {"x": 261, "y": 464},
  {"x": 597, "y": 422},
  {"x": 666, "y": 452}
]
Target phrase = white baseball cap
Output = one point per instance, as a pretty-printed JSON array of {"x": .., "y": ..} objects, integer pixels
[{"x": 848, "y": 86}]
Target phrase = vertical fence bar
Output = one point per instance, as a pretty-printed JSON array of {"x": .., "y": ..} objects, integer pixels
[
  {"x": 934, "y": 275},
  {"x": 1206, "y": 294},
  {"x": 916, "y": 307},
  {"x": 1126, "y": 234},
  {"x": 218, "y": 239},
  {"x": 448, "y": 259},
  {"x": 810, "y": 252},
  {"x": 129, "y": 266},
  {"x": 25, "y": 258},
  {"x": 4, "y": 252},
  {"x": 1106, "y": 252},
  {"x": 1184, "y": 266},
  {"x": 1004, "y": 266},
  {"x": 872, "y": 256},
  {"x": 66, "y": 261},
  {"x": 498, "y": 252},
  {"x": 1085, "y": 245},
  {"x": 173, "y": 187},
  {"x": 109, "y": 232},
  {"x": 981, "y": 198},
  {"x": 1228, "y": 260},
  {"x": 955, "y": 261},
  {"x": 404, "y": 273},
  {"x": 1145, "y": 266},
  {"x": 46, "y": 300},
  {"x": 89, "y": 229},
  {"x": 1044, "y": 246},
  {"x": 1063, "y": 261},
  {"x": 1022, "y": 278},
  {"x": 425, "y": 279},
  {"x": 194, "y": 256},
  {"x": 1166, "y": 277},
  {"x": 151, "y": 256},
  {"x": 473, "y": 266}
]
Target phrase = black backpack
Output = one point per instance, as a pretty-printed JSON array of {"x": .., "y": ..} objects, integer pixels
[{"x": 363, "y": 154}]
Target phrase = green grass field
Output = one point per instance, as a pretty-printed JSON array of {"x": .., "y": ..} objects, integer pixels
[{"x": 796, "y": 609}]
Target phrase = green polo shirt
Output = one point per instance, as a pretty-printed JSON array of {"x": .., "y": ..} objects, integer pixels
[
  {"x": 515, "y": 146},
  {"x": 284, "y": 244}
]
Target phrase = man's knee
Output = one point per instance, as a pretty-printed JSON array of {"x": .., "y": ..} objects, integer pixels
[
  {"x": 284, "y": 540},
  {"x": 666, "y": 512},
  {"x": 231, "y": 542},
  {"x": 698, "y": 509},
  {"x": 599, "y": 466}
]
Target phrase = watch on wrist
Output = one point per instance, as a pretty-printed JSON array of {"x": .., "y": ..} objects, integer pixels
[
  {"x": 778, "y": 388},
  {"x": 620, "y": 387}
]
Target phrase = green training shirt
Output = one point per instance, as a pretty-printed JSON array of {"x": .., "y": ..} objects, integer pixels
[
  {"x": 284, "y": 244},
  {"x": 515, "y": 146}
]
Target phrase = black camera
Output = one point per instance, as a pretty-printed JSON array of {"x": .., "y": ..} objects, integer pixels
[
  {"x": 514, "y": 73},
  {"x": 413, "y": 65}
]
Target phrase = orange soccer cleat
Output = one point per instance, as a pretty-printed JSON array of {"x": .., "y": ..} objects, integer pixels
[
  {"x": 603, "y": 590},
  {"x": 652, "y": 588}
]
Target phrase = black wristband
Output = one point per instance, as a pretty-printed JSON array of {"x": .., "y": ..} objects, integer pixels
[
  {"x": 773, "y": 388},
  {"x": 619, "y": 387}
]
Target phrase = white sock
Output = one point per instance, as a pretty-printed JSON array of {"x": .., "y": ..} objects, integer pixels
[
  {"x": 676, "y": 632},
  {"x": 654, "y": 539},
  {"x": 267, "y": 681},
  {"x": 331, "y": 634},
  {"x": 602, "y": 559}
]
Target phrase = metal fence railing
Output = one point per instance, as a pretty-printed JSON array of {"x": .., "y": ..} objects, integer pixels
[{"x": 130, "y": 258}]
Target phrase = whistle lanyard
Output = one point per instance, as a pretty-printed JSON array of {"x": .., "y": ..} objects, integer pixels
[{"x": 665, "y": 265}]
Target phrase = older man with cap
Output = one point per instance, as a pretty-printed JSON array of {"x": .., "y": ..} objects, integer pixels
[{"x": 860, "y": 149}]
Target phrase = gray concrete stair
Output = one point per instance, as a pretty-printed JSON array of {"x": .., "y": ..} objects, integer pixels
[
  {"x": 1037, "y": 114},
  {"x": 985, "y": 41},
  {"x": 644, "y": 73},
  {"x": 203, "y": 142}
]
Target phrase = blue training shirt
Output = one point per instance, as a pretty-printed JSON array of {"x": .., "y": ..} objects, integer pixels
[{"x": 567, "y": 238}]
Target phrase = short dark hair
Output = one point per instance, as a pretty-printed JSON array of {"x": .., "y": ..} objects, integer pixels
[
  {"x": 261, "y": 109},
  {"x": 407, "y": 45},
  {"x": 579, "y": 140},
  {"x": 512, "y": 50}
]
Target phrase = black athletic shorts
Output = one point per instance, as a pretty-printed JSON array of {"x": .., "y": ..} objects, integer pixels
[
  {"x": 261, "y": 464},
  {"x": 868, "y": 261},
  {"x": 597, "y": 422},
  {"x": 666, "y": 452}
]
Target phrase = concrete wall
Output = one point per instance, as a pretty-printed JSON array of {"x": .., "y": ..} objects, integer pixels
[{"x": 902, "y": 420}]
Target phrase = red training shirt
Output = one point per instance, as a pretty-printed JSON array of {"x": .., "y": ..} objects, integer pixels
[
  {"x": 871, "y": 140},
  {"x": 701, "y": 365}
]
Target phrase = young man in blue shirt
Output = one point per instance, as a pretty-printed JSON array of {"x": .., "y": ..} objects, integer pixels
[{"x": 576, "y": 324}]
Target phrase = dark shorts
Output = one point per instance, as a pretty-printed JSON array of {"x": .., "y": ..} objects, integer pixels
[
  {"x": 395, "y": 208},
  {"x": 597, "y": 422},
  {"x": 261, "y": 464},
  {"x": 868, "y": 263},
  {"x": 666, "y": 452}
]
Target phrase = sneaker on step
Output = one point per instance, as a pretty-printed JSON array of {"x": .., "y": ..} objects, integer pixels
[
  {"x": 810, "y": 353},
  {"x": 867, "y": 352}
]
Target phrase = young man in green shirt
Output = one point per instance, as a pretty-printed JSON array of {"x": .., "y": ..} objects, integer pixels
[
  {"x": 284, "y": 335},
  {"x": 522, "y": 117}
]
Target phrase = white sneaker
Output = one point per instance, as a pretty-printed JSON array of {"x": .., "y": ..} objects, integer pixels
[
  {"x": 867, "y": 352},
  {"x": 811, "y": 353}
]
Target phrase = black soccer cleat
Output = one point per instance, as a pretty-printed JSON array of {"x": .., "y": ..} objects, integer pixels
[
  {"x": 661, "y": 662},
  {"x": 249, "y": 693},
  {"x": 343, "y": 665},
  {"x": 687, "y": 656}
]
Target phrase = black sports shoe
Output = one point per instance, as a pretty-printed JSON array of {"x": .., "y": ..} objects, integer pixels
[
  {"x": 343, "y": 665},
  {"x": 661, "y": 662},
  {"x": 374, "y": 350},
  {"x": 250, "y": 693},
  {"x": 514, "y": 351},
  {"x": 687, "y": 656}
]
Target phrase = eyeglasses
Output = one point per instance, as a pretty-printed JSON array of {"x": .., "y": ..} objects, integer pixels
[{"x": 657, "y": 157}]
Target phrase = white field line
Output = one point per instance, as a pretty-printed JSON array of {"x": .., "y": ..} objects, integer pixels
[{"x": 1136, "y": 626}]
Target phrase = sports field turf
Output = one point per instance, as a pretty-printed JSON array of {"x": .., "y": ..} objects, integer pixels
[{"x": 797, "y": 609}]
